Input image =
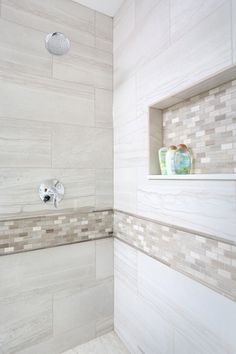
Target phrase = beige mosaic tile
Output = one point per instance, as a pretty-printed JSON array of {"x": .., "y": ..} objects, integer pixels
[
  {"x": 207, "y": 260},
  {"x": 207, "y": 124},
  {"x": 19, "y": 235}
]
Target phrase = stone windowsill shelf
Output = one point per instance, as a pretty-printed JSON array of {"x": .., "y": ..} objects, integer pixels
[{"x": 213, "y": 177}]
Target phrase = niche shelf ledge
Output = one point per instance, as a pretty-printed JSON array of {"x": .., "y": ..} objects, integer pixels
[
  {"x": 156, "y": 129},
  {"x": 212, "y": 177}
]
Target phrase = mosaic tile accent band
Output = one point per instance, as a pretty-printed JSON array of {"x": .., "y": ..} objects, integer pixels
[
  {"x": 207, "y": 124},
  {"x": 211, "y": 262},
  {"x": 19, "y": 235}
]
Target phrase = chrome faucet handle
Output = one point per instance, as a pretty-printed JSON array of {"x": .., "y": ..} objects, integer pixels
[{"x": 51, "y": 191}]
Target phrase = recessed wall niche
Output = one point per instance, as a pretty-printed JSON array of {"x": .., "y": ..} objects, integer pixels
[{"x": 204, "y": 118}]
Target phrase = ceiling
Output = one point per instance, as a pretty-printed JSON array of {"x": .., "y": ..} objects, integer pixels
[{"x": 108, "y": 7}]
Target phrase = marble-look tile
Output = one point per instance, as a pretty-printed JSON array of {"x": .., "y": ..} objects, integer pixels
[
  {"x": 191, "y": 309},
  {"x": 162, "y": 75},
  {"x": 131, "y": 144},
  {"x": 183, "y": 11},
  {"x": 48, "y": 271},
  {"x": 155, "y": 132},
  {"x": 104, "y": 188},
  {"x": 125, "y": 264},
  {"x": 23, "y": 49},
  {"x": 21, "y": 186},
  {"x": 233, "y": 19},
  {"x": 143, "y": 8},
  {"x": 51, "y": 301},
  {"x": 125, "y": 61},
  {"x": 141, "y": 45},
  {"x": 61, "y": 15},
  {"x": 86, "y": 65},
  {"x": 123, "y": 23},
  {"x": 183, "y": 345},
  {"x": 56, "y": 101},
  {"x": 25, "y": 320},
  {"x": 125, "y": 180},
  {"x": 104, "y": 258},
  {"x": 76, "y": 307},
  {"x": 82, "y": 147},
  {"x": 156, "y": 21},
  {"x": 163, "y": 315},
  {"x": 109, "y": 343},
  {"x": 124, "y": 42},
  {"x": 178, "y": 203},
  {"x": 197, "y": 256},
  {"x": 60, "y": 343},
  {"x": 125, "y": 102},
  {"x": 103, "y": 108},
  {"x": 104, "y": 31},
  {"x": 24, "y": 144},
  {"x": 104, "y": 325}
]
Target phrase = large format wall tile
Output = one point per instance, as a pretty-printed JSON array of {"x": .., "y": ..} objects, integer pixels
[
  {"x": 201, "y": 52},
  {"x": 125, "y": 180},
  {"x": 157, "y": 22},
  {"x": 104, "y": 188},
  {"x": 205, "y": 206},
  {"x": 55, "y": 102},
  {"x": 21, "y": 186},
  {"x": 22, "y": 49},
  {"x": 53, "y": 269},
  {"x": 59, "y": 15},
  {"x": 50, "y": 299},
  {"x": 124, "y": 23},
  {"x": 130, "y": 144},
  {"x": 103, "y": 108},
  {"x": 25, "y": 321},
  {"x": 104, "y": 32},
  {"x": 82, "y": 147},
  {"x": 81, "y": 306},
  {"x": 62, "y": 342},
  {"x": 187, "y": 14},
  {"x": 159, "y": 48},
  {"x": 43, "y": 95},
  {"x": 141, "y": 45},
  {"x": 191, "y": 314},
  {"x": 85, "y": 65},
  {"x": 234, "y": 30},
  {"x": 104, "y": 258},
  {"x": 24, "y": 143},
  {"x": 125, "y": 102}
]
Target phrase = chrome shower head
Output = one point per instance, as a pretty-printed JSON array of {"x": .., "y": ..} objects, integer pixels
[{"x": 57, "y": 43}]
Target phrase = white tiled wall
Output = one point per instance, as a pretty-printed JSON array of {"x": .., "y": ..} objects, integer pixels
[
  {"x": 55, "y": 112},
  {"x": 158, "y": 310},
  {"x": 52, "y": 300},
  {"x": 159, "y": 47}
]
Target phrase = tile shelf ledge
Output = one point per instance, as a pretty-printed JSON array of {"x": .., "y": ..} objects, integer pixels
[
  {"x": 156, "y": 130},
  {"x": 209, "y": 176}
]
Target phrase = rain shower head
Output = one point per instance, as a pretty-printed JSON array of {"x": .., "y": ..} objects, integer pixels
[{"x": 57, "y": 43}]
